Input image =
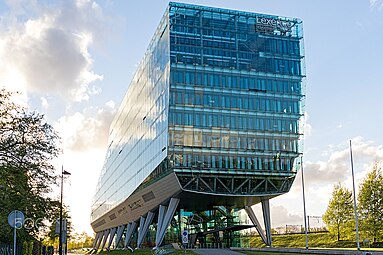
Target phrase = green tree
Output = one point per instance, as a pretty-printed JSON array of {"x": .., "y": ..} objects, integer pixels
[
  {"x": 371, "y": 203},
  {"x": 52, "y": 236},
  {"x": 339, "y": 214},
  {"x": 27, "y": 146}
]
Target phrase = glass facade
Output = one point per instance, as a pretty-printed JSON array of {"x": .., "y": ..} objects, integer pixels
[
  {"x": 219, "y": 94},
  {"x": 139, "y": 132}
]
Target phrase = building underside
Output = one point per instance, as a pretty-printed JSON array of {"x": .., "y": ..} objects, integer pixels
[{"x": 205, "y": 205}]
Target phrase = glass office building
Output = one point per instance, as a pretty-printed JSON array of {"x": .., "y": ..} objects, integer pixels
[{"x": 213, "y": 117}]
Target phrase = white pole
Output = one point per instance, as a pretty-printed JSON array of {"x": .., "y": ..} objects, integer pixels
[
  {"x": 304, "y": 204},
  {"x": 14, "y": 235},
  {"x": 353, "y": 190}
]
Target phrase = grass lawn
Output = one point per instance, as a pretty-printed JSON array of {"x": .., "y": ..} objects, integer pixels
[{"x": 316, "y": 240}]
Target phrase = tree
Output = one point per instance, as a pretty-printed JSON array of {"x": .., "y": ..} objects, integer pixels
[
  {"x": 52, "y": 236},
  {"x": 27, "y": 146},
  {"x": 371, "y": 203},
  {"x": 82, "y": 240},
  {"x": 339, "y": 214}
]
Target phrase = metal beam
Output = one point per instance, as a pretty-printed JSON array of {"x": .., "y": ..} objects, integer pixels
[
  {"x": 100, "y": 239},
  {"x": 95, "y": 241},
  {"x": 266, "y": 219},
  {"x": 161, "y": 214},
  {"x": 111, "y": 237},
  {"x": 129, "y": 231},
  {"x": 166, "y": 221},
  {"x": 144, "y": 226},
  {"x": 256, "y": 224},
  {"x": 105, "y": 238},
  {"x": 120, "y": 231}
]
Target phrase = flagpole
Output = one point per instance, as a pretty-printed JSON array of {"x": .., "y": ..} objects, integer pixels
[
  {"x": 353, "y": 190},
  {"x": 304, "y": 205}
]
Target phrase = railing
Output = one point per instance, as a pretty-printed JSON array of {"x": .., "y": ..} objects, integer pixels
[{"x": 7, "y": 249}]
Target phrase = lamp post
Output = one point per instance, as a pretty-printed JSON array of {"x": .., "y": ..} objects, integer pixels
[{"x": 63, "y": 172}]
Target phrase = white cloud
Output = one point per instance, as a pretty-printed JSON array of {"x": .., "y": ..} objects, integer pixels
[
  {"x": 49, "y": 52},
  {"x": 376, "y": 4},
  {"x": 280, "y": 215},
  {"x": 87, "y": 129},
  {"x": 44, "y": 103},
  {"x": 307, "y": 125},
  {"x": 337, "y": 168}
]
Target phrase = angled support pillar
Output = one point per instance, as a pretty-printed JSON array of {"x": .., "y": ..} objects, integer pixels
[
  {"x": 95, "y": 241},
  {"x": 166, "y": 220},
  {"x": 256, "y": 224},
  {"x": 129, "y": 232},
  {"x": 102, "y": 233},
  {"x": 120, "y": 231},
  {"x": 105, "y": 238},
  {"x": 111, "y": 237},
  {"x": 266, "y": 219},
  {"x": 144, "y": 226},
  {"x": 161, "y": 214}
]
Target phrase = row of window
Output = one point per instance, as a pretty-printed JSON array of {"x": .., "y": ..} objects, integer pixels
[
  {"x": 221, "y": 162},
  {"x": 240, "y": 32},
  {"x": 233, "y": 122},
  {"x": 251, "y": 44},
  {"x": 238, "y": 102},
  {"x": 217, "y": 20},
  {"x": 234, "y": 81},
  {"x": 205, "y": 139},
  {"x": 218, "y": 58}
]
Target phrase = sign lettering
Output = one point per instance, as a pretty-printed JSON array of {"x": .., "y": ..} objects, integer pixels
[{"x": 271, "y": 24}]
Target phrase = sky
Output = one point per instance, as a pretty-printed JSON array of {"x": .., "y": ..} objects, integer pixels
[{"x": 72, "y": 60}]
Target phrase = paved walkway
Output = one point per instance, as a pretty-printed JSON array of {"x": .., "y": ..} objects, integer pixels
[{"x": 216, "y": 252}]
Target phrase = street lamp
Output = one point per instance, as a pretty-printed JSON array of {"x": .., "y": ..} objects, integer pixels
[{"x": 63, "y": 172}]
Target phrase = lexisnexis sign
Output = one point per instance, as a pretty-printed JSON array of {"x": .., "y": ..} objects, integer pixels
[{"x": 272, "y": 24}]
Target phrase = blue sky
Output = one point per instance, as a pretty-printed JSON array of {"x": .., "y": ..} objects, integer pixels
[{"x": 73, "y": 61}]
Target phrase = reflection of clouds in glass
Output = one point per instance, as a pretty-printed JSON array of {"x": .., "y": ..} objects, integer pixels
[{"x": 138, "y": 132}]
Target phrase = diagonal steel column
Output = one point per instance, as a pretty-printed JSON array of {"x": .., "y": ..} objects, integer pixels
[
  {"x": 120, "y": 231},
  {"x": 111, "y": 237},
  {"x": 105, "y": 238},
  {"x": 100, "y": 239},
  {"x": 161, "y": 214},
  {"x": 141, "y": 226},
  {"x": 95, "y": 240},
  {"x": 255, "y": 221},
  {"x": 266, "y": 219},
  {"x": 166, "y": 221},
  {"x": 129, "y": 232},
  {"x": 144, "y": 228}
]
